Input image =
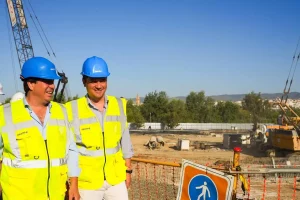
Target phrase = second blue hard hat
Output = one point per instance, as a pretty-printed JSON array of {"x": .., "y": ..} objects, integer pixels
[
  {"x": 95, "y": 67},
  {"x": 39, "y": 67}
]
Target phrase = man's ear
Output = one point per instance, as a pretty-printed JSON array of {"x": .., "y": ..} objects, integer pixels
[{"x": 31, "y": 85}]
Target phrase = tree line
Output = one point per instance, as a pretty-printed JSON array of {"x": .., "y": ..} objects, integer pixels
[{"x": 198, "y": 108}]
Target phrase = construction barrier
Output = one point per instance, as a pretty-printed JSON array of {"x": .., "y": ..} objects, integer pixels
[
  {"x": 154, "y": 180},
  {"x": 278, "y": 180}
]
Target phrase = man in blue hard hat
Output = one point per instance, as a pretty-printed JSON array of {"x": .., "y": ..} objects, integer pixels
[
  {"x": 39, "y": 152},
  {"x": 102, "y": 137}
]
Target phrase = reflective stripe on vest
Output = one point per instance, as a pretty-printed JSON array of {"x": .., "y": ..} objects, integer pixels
[
  {"x": 31, "y": 123},
  {"x": 92, "y": 120},
  {"x": 108, "y": 151},
  {"x": 122, "y": 115},
  {"x": 28, "y": 124},
  {"x": 33, "y": 163}
]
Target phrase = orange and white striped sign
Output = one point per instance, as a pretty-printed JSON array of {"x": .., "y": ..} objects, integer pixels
[{"x": 198, "y": 182}]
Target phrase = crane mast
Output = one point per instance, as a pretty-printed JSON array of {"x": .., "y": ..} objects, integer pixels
[
  {"x": 20, "y": 30},
  {"x": 23, "y": 42}
]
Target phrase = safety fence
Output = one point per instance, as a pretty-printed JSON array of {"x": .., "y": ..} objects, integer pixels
[
  {"x": 277, "y": 184},
  {"x": 154, "y": 180},
  {"x": 262, "y": 179},
  {"x": 271, "y": 178}
]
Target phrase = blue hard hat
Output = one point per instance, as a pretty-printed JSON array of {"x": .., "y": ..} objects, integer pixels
[
  {"x": 95, "y": 67},
  {"x": 39, "y": 67}
]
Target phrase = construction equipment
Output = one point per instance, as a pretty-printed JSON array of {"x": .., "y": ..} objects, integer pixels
[
  {"x": 155, "y": 142},
  {"x": 23, "y": 41},
  {"x": 284, "y": 138}
]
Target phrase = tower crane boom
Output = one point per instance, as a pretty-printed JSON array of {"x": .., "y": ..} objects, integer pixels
[
  {"x": 23, "y": 42},
  {"x": 20, "y": 30}
]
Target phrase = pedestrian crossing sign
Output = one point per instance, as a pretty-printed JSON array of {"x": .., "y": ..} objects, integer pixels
[{"x": 198, "y": 182}]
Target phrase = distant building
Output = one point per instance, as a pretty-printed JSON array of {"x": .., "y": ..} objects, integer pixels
[
  {"x": 137, "y": 100},
  {"x": 238, "y": 103}
]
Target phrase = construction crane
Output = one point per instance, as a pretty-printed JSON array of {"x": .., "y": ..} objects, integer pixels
[
  {"x": 23, "y": 42},
  {"x": 284, "y": 138},
  {"x": 20, "y": 30}
]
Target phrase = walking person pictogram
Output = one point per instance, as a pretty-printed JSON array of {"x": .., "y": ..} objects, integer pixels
[
  {"x": 202, "y": 187},
  {"x": 204, "y": 191}
]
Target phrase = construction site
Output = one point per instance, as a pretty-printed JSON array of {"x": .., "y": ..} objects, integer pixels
[
  {"x": 157, "y": 166},
  {"x": 262, "y": 162}
]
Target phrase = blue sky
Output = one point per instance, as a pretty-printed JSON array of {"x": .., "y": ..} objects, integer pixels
[{"x": 221, "y": 47}]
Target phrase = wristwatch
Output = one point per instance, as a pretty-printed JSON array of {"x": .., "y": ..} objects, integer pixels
[{"x": 129, "y": 171}]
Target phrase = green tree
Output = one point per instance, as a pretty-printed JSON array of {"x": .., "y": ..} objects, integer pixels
[
  {"x": 209, "y": 111},
  {"x": 61, "y": 98},
  {"x": 228, "y": 111},
  {"x": 155, "y": 107},
  {"x": 257, "y": 107},
  {"x": 200, "y": 108},
  {"x": 269, "y": 115},
  {"x": 134, "y": 115},
  {"x": 176, "y": 113},
  {"x": 75, "y": 97},
  {"x": 195, "y": 106},
  {"x": 7, "y": 100}
]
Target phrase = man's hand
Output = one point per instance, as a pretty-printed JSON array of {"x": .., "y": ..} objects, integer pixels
[
  {"x": 128, "y": 176},
  {"x": 73, "y": 189},
  {"x": 128, "y": 180}
]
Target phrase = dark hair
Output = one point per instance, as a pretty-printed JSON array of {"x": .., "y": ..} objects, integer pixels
[
  {"x": 84, "y": 77},
  {"x": 25, "y": 85}
]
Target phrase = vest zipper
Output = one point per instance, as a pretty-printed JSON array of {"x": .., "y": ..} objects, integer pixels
[
  {"x": 104, "y": 155},
  {"x": 48, "y": 194}
]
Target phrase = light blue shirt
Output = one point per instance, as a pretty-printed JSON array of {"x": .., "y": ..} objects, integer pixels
[
  {"x": 125, "y": 140},
  {"x": 72, "y": 155}
]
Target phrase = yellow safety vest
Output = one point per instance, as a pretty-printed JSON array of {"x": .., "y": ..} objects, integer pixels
[
  {"x": 32, "y": 168},
  {"x": 101, "y": 157}
]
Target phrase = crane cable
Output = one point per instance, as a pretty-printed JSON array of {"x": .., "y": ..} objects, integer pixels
[
  {"x": 67, "y": 89},
  {"x": 293, "y": 66},
  {"x": 43, "y": 32},
  {"x": 38, "y": 21},
  {"x": 294, "y": 71},
  {"x": 37, "y": 30},
  {"x": 11, "y": 48}
]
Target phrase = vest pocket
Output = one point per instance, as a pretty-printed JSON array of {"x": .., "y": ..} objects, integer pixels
[
  {"x": 19, "y": 173},
  {"x": 119, "y": 166},
  {"x": 113, "y": 133},
  {"x": 90, "y": 137},
  {"x": 19, "y": 184},
  {"x": 23, "y": 141},
  {"x": 57, "y": 140},
  {"x": 86, "y": 167}
]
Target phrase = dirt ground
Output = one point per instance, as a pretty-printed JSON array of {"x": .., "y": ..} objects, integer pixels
[{"x": 214, "y": 148}]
